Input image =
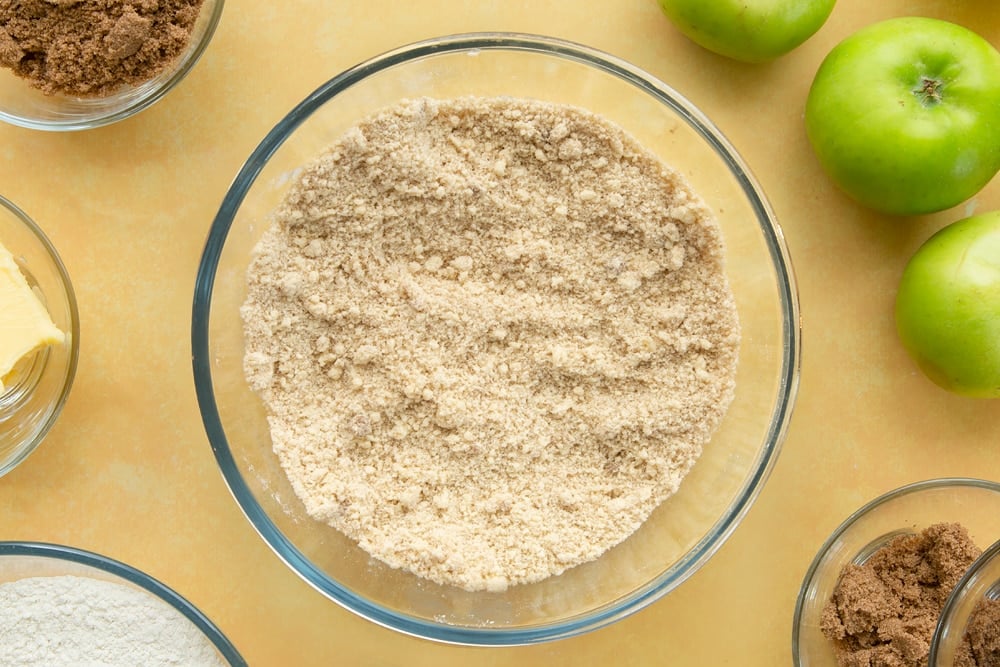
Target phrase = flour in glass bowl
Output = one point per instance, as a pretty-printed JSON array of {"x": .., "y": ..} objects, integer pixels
[
  {"x": 492, "y": 335},
  {"x": 71, "y": 621}
]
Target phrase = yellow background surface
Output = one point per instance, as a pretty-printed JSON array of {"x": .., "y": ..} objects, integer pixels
[{"x": 128, "y": 472}]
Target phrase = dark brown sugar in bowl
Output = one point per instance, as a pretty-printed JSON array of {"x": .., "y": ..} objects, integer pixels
[{"x": 90, "y": 48}]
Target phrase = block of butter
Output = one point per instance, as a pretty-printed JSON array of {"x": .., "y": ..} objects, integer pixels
[{"x": 25, "y": 324}]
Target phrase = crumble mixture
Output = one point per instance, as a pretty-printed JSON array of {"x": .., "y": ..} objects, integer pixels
[{"x": 491, "y": 335}]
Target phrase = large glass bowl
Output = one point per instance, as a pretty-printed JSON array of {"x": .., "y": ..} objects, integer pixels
[
  {"x": 24, "y": 105},
  {"x": 973, "y": 503},
  {"x": 21, "y": 560},
  {"x": 684, "y": 532},
  {"x": 34, "y": 397}
]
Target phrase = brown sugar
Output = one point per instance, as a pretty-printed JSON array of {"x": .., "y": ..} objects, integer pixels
[
  {"x": 980, "y": 646},
  {"x": 884, "y": 611},
  {"x": 90, "y": 48},
  {"x": 491, "y": 334}
]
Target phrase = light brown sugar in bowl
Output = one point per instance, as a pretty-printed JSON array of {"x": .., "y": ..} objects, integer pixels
[
  {"x": 491, "y": 335},
  {"x": 980, "y": 646},
  {"x": 884, "y": 611},
  {"x": 91, "y": 48}
]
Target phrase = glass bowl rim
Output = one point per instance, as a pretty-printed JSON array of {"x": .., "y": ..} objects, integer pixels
[
  {"x": 134, "y": 576},
  {"x": 785, "y": 392},
  {"x": 74, "y": 333},
  {"x": 853, "y": 518},
  {"x": 139, "y": 104}
]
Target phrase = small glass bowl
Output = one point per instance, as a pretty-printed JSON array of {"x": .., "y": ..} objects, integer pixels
[
  {"x": 20, "y": 560},
  {"x": 24, "y": 105},
  {"x": 980, "y": 582},
  {"x": 972, "y": 503},
  {"x": 687, "y": 529},
  {"x": 30, "y": 404}
]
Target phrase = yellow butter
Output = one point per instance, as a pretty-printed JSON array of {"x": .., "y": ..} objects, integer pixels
[{"x": 25, "y": 324}]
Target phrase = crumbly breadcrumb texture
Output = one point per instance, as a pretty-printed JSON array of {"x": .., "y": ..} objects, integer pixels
[{"x": 491, "y": 334}]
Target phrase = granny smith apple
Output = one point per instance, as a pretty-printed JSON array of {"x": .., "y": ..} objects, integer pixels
[
  {"x": 904, "y": 115},
  {"x": 753, "y": 31},
  {"x": 948, "y": 306}
]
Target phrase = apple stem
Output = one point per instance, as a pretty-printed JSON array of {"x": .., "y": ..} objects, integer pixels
[{"x": 928, "y": 92}]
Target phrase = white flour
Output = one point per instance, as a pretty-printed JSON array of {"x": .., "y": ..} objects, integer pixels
[{"x": 82, "y": 622}]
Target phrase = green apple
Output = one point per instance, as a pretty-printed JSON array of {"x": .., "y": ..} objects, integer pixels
[
  {"x": 753, "y": 31},
  {"x": 904, "y": 115},
  {"x": 948, "y": 306}
]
